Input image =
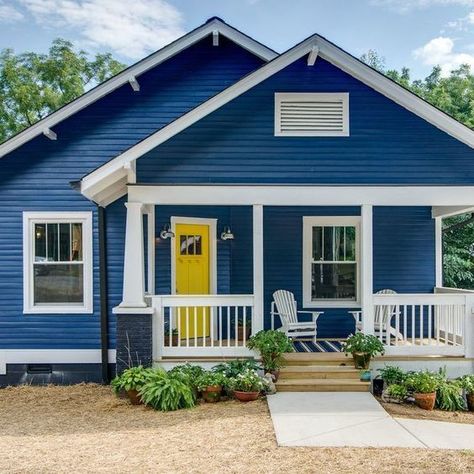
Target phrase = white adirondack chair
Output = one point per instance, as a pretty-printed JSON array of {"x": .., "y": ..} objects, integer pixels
[
  {"x": 382, "y": 317},
  {"x": 284, "y": 305}
]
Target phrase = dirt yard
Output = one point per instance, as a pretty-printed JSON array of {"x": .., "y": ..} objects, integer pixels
[{"x": 85, "y": 428}]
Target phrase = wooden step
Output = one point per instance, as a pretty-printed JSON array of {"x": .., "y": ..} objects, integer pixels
[
  {"x": 318, "y": 358},
  {"x": 322, "y": 385},
  {"x": 318, "y": 372}
]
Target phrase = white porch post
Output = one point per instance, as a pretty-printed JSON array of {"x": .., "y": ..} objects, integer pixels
[
  {"x": 439, "y": 250},
  {"x": 151, "y": 249},
  {"x": 257, "y": 320},
  {"x": 366, "y": 270},
  {"x": 133, "y": 269}
]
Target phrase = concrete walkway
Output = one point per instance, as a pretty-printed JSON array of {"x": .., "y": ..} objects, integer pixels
[{"x": 356, "y": 419}]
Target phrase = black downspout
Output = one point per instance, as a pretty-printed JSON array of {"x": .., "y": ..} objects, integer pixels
[{"x": 104, "y": 314}]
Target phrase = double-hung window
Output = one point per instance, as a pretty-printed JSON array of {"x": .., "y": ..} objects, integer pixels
[
  {"x": 331, "y": 261},
  {"x": 57, "y": 262}
]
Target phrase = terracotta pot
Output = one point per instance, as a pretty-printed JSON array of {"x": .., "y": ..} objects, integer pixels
[
  {"x": 470, "y": 401},
  {"x": 361, "y": 360},
  {"x": 426, "y": 401},
  {"x": 240, "y": 333},
  {"x": 212, "y": 394},
  {"x": 246, "y": 396},
  {"x": 134, "y": 397}
]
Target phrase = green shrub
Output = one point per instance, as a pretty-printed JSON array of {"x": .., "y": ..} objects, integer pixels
[
  {"x": 165, "y": 391},
  {"x": 188, "y": 373},
  {"x": 467, "y": 383},
  {"x": 211, "y": 379},
  {"x": 235, "y": 367},
  {"x": 271, "y": 345},
  {"x": 360, "y": 342},
  {"x": 392, "y": 375},
  {"x": 449, "y": 396},
  {"x": 132, "y": 378},
  {"x": 248, "y": 381},
  {"x": 422, "y": 382},
  {"x": 397, "y": 391}
]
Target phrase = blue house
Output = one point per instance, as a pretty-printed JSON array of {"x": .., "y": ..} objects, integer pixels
[{"x": 152, "y": 219}]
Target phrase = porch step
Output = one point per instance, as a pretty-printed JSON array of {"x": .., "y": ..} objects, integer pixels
[
  {"x": 318, "y": 372},
  {"x": 322, "y": 385},
  {"x": 318, "y": 358}
]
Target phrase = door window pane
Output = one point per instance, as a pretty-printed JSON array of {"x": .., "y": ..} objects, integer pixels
[
  {"x": 58, "y": 283},
  {"x": 333, "y": 281}
]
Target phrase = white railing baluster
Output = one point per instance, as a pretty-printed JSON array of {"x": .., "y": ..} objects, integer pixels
[
  {"x": 422, "y": 342},
  {"x": 204, "y": 326},
  {"x": 220, "y": 326},
  {"x": 244, "y": 315},
  {"x": 236, "y": 327},
  {"x": 228, "y": 326},
  {"x": 211, "y": 322},
  {"x": 413, "y": 340},
  {"x": 195, "y": 327},
  {"x": 429, "y": 326},
  {"x": 397, "y": 323}
]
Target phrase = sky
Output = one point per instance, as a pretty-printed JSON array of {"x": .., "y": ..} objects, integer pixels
[{"x": 414, "y": 33}]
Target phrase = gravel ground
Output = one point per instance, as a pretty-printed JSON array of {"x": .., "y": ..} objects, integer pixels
[{"x": 85, "y": 428}]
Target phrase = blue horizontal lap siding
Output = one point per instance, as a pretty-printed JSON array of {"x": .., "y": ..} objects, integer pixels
[
  {"x": 236, "y": 144},
  {"x": 36, "y": 177}
]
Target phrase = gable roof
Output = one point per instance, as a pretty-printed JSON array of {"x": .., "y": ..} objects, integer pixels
[
  {"x": 108, "y": 182},
  {"x": 131, "y": 74}
]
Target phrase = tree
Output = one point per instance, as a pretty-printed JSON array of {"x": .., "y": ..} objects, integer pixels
[{"x": 33, "y": 85}]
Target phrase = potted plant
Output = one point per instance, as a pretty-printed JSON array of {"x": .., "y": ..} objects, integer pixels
[
  {"x": 363, "y": 347},
  {"x": 391, "y": 374},
  {"x": 174, "y": 338},
  {"x": 395, "y": 393},
  {"x": 271, "y": 345},
  {"x": 423, "y": 385},
  {"x": 131, "y": 381},
  {"x": 240, "y": 328},
  {"x": 247, "y": 385},
  {"x": 467, "y": 383},
  {"x": 210, "y": 384}
]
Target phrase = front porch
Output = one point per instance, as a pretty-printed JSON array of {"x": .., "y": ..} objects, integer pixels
[{"x": 268, "y": 253}]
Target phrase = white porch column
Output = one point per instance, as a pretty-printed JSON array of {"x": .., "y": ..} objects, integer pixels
[
  {"x": 439, "y": 250},
  {"x": 133, "y": 268},
  {"x": 257, "y": 320},
  {"x": 151, "y": 249},
  {"x": 366, "y": 271}
]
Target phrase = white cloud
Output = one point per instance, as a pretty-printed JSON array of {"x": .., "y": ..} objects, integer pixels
[
  {"x": 440, "y": 51},
  {"x": 131, "y": 29},
  {"x": 404, "y": 6},
  {"x": 9, "y": 14}
]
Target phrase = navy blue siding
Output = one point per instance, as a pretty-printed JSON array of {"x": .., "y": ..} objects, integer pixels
[
  {"x": 37, "y": 176},
  {"x": 236, "y": 144}
]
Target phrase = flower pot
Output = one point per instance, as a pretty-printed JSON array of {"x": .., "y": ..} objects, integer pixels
[
  {"x": 365, "y": 376},
  {"x": 377, "y": 387},
  {"x": 240, "y": 333},
  {"x": 246, "y": 396},
  {"x": 361, "y": 360},
  {"x": 212, "y": 394},
  {"x": 134, "y": 397},
  {"x": 470, "y": 401},
  {"x": 174, "y": 340},
  {"x": 426, "y": 401}
]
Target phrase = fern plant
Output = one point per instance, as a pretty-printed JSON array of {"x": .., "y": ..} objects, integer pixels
[{"x": 166, "y": 391}]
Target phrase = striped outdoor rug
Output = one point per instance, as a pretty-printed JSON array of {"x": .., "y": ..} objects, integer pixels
[{"x": 318, "y": 346}]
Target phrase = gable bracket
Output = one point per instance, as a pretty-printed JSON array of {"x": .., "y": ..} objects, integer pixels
[
  {"x": 215, "y": 38},
  {"x": 134, "y": 83},
  {"x": 47, "y": 132},
  {"x": 313, "y": 55}
]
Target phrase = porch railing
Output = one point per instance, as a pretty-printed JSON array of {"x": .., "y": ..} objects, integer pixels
[
  {"x": 430, "y": 324},
  {"x": 202, "y": 325}
]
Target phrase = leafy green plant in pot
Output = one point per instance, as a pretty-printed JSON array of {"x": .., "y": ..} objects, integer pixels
[
  {"x": 211, "y": 384},
  {"x": 189, "y": 374},
  {"x": 363, "y": 347},
  {"x": 395, "y": 393},
  {"x": 423, "y": 385},
  {"x": 271, "y": 345},
  {"x": 131, "y": 380},
  {"x": 247, "y": 385},
  {"x": 467, "y": 383},
  {"x": 449, "y": 396}
]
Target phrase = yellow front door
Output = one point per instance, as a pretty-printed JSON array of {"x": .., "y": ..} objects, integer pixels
[{"x": 192, "y": 276}]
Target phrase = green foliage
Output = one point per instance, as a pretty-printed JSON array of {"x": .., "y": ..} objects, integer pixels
[
  {"x": 166, "y": 391},
  {"x": 131, "y": 379},
  {"x": 449, "y": 396},
  {"x": 397, "y": 391},
  {"x": 422, "y": 382},
  {"x": 271, "y": 345},
  {"x": 361, "y": 342},
  {"x": 235, "y": 367},
  {"x": 248, "y": 381},
  {"x": 392, "y": 375},
  {"x": 33, "y": 85},
  {"x": 466, "y": 382},
  {"x": 188, "y": 373},
  {"x": 211, "y": 379}
]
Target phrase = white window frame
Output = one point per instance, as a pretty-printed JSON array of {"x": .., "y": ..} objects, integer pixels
[
  {"x": 29, "y": 221},
  {"x": 280, "y": 96},
  {"x": 308, "y": 223}
]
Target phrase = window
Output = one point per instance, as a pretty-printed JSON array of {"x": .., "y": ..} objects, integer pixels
[
  {"x": 331, "y": 261},
  {"x": 312, "y": 114},
  {"x": 57, "y": 262}
]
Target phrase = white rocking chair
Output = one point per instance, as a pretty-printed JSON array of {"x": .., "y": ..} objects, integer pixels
[
  {"x": 284, "y": 305},
  {"x": 382, "y": 318}
]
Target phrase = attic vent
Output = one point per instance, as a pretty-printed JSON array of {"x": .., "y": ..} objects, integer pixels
[{"x": 312, "y": 114}]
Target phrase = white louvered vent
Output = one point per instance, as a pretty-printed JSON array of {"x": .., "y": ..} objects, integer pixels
[{"x": 312, "y": 114}]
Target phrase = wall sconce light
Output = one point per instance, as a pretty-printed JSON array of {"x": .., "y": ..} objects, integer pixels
[
  {"x": 166, "y": 233},
  {"x": 227, "y": 234}
]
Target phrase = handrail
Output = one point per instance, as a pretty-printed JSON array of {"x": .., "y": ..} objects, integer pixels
[{"x": 173, "y": 301}]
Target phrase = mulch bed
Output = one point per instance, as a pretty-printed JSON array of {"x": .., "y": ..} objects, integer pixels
[{"x": 85, "y": 428}]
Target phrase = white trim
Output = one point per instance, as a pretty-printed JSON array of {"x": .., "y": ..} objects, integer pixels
[
  {"x": 367, "y": 279},
  {"x": 150, "y": 211},
  {"x": 247, "y": 195},
  {"x": 448, "y": 211},
  {"x": 212, "y": 223},
  {"x": 258, "y": 269},
  {"x": 53, "y": 356},
  {"x": 136, "y": 70},
  {"x": 343, "y": 97},
  {"x": 308, "y": 223},
  {"x": 29, "y": 219},
  {"x": 312, "y": 56},
  {"x": 439, "y": 251}
]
